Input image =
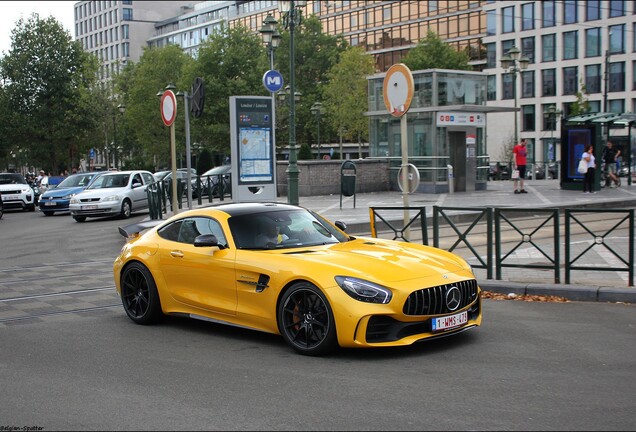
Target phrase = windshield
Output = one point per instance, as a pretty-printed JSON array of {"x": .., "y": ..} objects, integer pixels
[
  {"x": 110, "y": 181},
  {"x": 283, "y": 229},
  {"x": 79, "y": 180},
  {"x": 12, "y": 178}
]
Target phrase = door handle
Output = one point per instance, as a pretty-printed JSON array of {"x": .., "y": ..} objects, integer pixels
[{"x": 177, "y": 254}]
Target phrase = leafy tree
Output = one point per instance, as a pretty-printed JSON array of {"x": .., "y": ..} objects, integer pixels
[
  {"x": 47, "y": 98},
  {"x": 231, "y": 63},
  {"x": 582, "y": 103},
  {"x": 433, "y": 53},
  {"x": 346, "y": 94},
  {"x": 138, "y": 85},
  {"x": 315, "y": 54},
  {"x": 305, "y": 152}
]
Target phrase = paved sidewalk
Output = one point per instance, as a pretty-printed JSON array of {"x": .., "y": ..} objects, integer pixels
[{"x": 354, "y": 211}]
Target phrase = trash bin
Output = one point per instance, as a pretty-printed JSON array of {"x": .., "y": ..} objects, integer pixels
[{"x": 348, "y": 181}]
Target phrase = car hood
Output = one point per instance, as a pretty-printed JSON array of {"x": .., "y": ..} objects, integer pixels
[
  {"x": 10, "y": 187},
  {"x": 101, "y": 193},
  {"x": 61, "y": 192},
  {"x": 382, "y": 260}
]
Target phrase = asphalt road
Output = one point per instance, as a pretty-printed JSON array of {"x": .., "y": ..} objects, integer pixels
[{"x": 531, "y": 366}]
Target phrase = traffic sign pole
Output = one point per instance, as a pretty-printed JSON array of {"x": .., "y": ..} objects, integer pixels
[{"x": 168, "y": 115}]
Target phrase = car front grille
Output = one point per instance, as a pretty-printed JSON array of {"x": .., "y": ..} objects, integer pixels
[
  {"x": 89, "y": 200},
  {"x": 12, "y": 192},
  {"x": 432, "y": 301}
]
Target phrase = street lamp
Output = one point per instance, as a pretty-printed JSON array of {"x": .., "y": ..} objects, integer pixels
[
  {"x": 290, "y": 11},
  {"x": 122, "y": 111},
  {"x": 515, "y": 65},
  {"x": 316, "y": 109},
  {"x": 271, "y": 37}
]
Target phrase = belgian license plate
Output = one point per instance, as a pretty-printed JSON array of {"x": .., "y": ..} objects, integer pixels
[
  {"x": 49, "y": 203},
  {"x": 450, "y": 321},
  {"x": 10, "y": 197},
  {"x": 89, "y": 207}
]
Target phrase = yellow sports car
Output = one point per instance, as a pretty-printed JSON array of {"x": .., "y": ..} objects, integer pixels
[{"x": 286, "y": 270}]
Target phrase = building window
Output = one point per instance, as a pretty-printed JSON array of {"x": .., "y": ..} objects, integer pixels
[
  {"x": 593, "y": 42},
  {"x": 528, "y": 118},
  {"x": 617, "y": 8},
  {"x": 506, "y": 45},
  {"x": 617, "y": 106},
  {"x": 508, "y": 20},
  {"x": 570, "y": 45},
  {"x": 527, "y": 84},
  {"x": 593, "y": 78},
  {"x": 634, "y": 75},
  {"x": 595, "y": 106},
  {"x": 491, "y": 55},
  {"x": 548, "y": 52},
  {"x": 569, "y": 12},
  {"x": 527, "y": 16},
  {"x": 617, "y": 77},
  {"x": 527, "y": 48},
  {"x": 548, "y": 16},
  {"x": 507, "y": 88},
  {"x": 127, "y": 14},
  {"x": 570, "y": 80},
  {"x": 592, "y": 10},
  {"x": 432, "y": 6},
  {"x": 548, "y": 82},
  {"x": 491, "y": 90},
  {"x": 491, "y": 23},
  {"x": 386, "y": 13},
  {"x": 125, "y": 31},
  {"x": 617, "y": 39}
]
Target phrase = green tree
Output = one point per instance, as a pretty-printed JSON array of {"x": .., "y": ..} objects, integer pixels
[
  {"x": 138, "y": 85},
  {"x": 582, "y": 103},
  {"x": 346, "y": 94},
  {"x": 231, "y": 63},
  {"x": 47, "y": 91},
  {"x": 315, "y": 53},
  {"x": 304, "y": 153},
  {"x": 433, "y": 53}
]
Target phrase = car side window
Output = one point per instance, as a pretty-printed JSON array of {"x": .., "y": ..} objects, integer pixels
[
  {"x": 148, "y": 178},
  {"x": 137, "y": 179},
  {"x": 186, "y": 230},
  {"x": 171, "y": 231}
]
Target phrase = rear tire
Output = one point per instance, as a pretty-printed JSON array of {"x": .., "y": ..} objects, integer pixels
[{"x": 125, "y": 210}]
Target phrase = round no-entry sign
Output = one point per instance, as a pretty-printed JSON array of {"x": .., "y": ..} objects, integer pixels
[{"x": 168, "y": 107}]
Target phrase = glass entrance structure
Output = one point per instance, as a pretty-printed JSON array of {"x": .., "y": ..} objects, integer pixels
[{"x": 446, "y": 128}]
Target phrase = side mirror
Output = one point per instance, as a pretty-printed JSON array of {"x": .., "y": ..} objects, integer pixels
[
  {"x": 341, "y": 225},
  {"x": 207, "y": 240},
  {"x": 136, "y": 184}
]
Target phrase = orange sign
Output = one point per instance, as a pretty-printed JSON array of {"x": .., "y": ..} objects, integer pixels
[{"x": 398, "y": 89}]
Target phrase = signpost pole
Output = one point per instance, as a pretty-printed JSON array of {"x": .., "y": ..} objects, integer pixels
[
  {"x": 173, "y": 155},
  {"x": 405, "y": 179}
]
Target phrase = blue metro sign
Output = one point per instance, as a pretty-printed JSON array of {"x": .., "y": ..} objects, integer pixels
[{"x": 273, "y": 81}]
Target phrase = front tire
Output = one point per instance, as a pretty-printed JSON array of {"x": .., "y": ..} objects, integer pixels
[
  {"x": 79, "y": 218},
  {"x": 48, "y": 213},
  {"x": 139, "y": 294},
  {"x": 305, "y": 320}
]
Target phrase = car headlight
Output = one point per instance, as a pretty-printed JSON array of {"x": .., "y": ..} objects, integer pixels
[
  {"x": 363, "y": 290},
  {"x": 111, "y": 198},
  {"x": 74, "y": 200},
  {"x": 69, "y": 196}
]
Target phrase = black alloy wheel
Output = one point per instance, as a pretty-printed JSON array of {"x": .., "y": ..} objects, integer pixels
[
  {"x": 305, "y": 320},
  {"x": 139, "y": 294}
]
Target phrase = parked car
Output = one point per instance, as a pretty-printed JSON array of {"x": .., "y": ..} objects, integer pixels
[
  {"x": 182, "y": 176},
  {"x": 59, "y": 197},
  {"x": 314, "y": 284},
  {"x": 212, "y": 177},
  {"x": 16, "y": 192},
  {"x": 498, "y": 171},
  {"x": 1, "y": 207},
  {"x": 114, "y": 193},
  {"x": 539, "y": 171}
]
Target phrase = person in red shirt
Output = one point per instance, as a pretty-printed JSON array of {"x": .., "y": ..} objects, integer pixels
[{"x": 520, "y": 153}]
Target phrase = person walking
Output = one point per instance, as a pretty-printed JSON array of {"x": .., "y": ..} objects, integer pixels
[
  {"x": 520, "y": 153},
  {"x": 610, "y": 157},
  {"x": 588, "y": 178}
]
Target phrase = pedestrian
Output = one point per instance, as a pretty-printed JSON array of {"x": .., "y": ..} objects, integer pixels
[
  {"x": 520, "y": 153},
  {"x": 610, "y": 157},
  {"x": 588, "y": 178}
]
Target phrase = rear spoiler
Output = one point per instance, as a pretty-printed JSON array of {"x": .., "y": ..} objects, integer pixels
[{"x": 133, "y": 230}]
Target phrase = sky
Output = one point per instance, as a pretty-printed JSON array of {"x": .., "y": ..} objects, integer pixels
[{"x": 12, "y": 11}]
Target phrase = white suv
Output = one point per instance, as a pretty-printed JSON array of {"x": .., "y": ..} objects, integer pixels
[
  {"x": 16, "y": 192},
  {"x": 117, "y": 193}
]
